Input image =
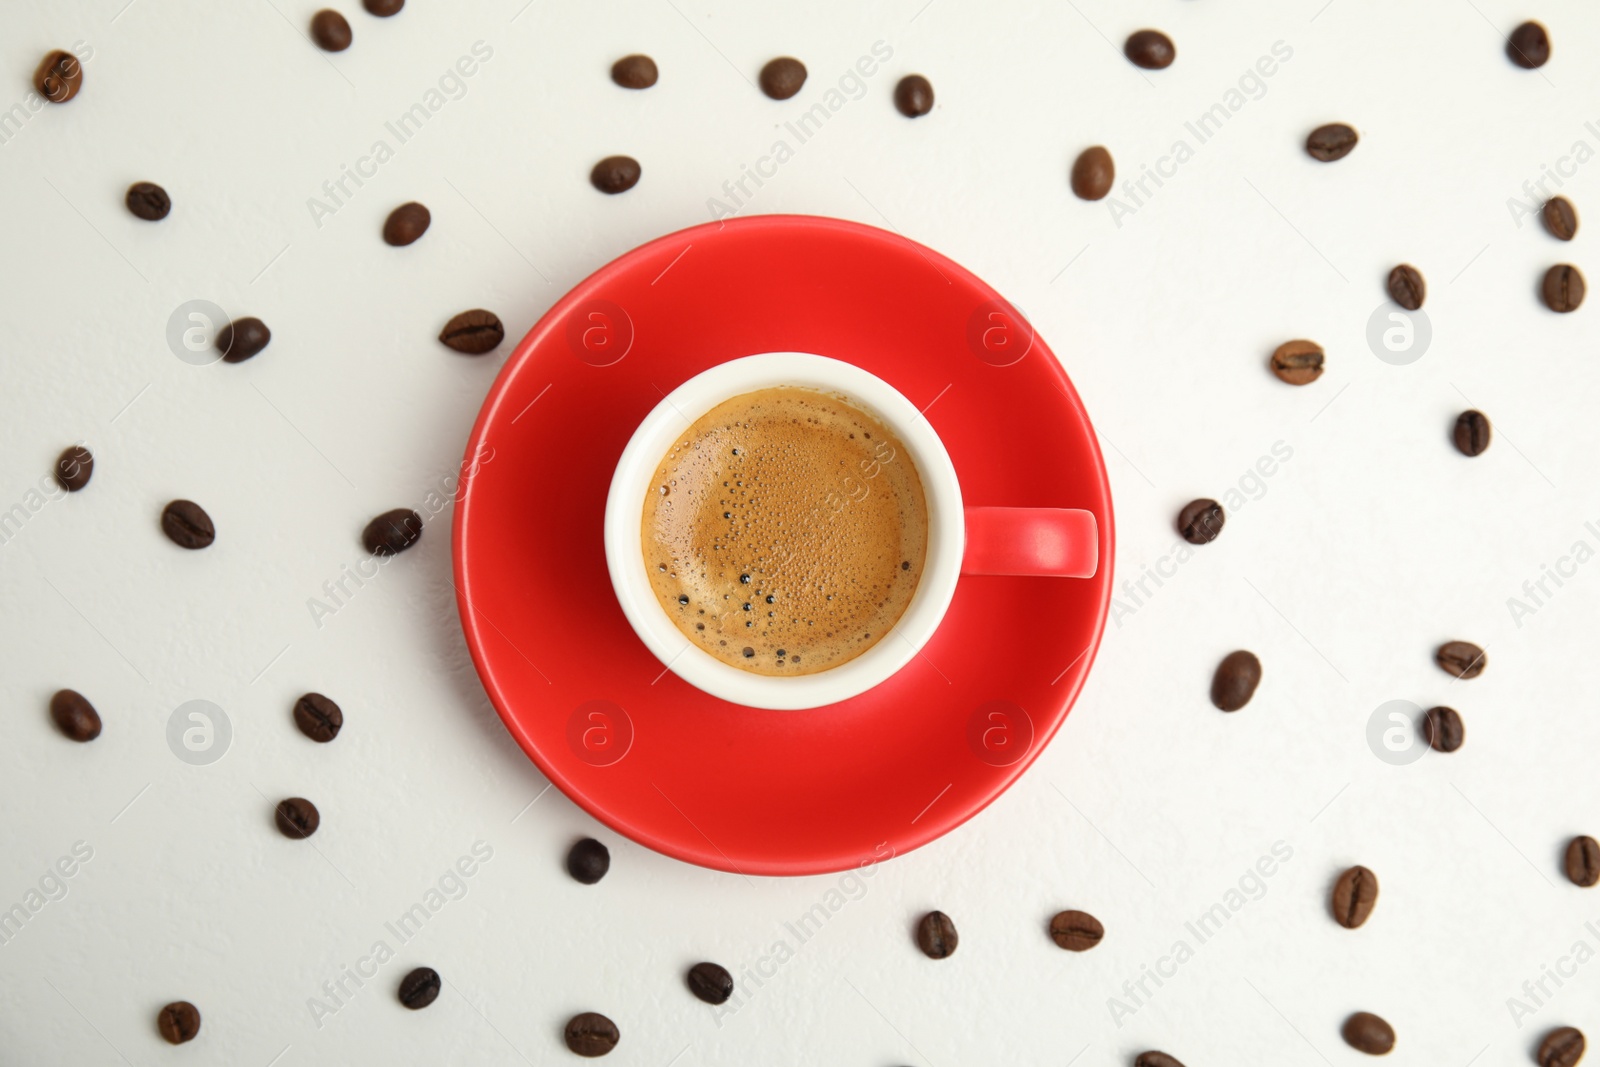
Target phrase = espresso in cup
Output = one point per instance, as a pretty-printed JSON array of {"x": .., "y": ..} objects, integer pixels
[{"x": 785, "y": 531}]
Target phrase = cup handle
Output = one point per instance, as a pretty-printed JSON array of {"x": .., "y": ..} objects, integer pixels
[{"x": 1045, "y": 542}]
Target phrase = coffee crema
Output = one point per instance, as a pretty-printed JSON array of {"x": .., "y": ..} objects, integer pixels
[{"x": 785, "y": 531}]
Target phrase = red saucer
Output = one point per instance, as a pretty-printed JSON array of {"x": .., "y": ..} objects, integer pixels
[{"x": 713, "y": 783}]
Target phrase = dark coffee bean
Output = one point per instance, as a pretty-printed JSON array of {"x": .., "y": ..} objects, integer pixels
[
  {"x": 1150, "y": 49},
  {"x": 187, "y": 524},
  {"x": 1201, "y": 521},
  {"x": 178, "y": 1022},
  {"x": 74, "y": 715},
  {"x": 781, "y": 78},
  {"x": 318, "y": 717},
  {"x": 913, "y": 96},
  {"x": 1563, "y": 288},
  {"x": 1298, "y": 362},
  {"x": 634, "y": 72},
  {"x": 1471, "y": 433},
  {"x": 615, "y": 174},
  {"x": 59, "y": 77},
  {"x": 588, "y": 861},
  {"x": 1461, "y": 658},
  {"x": 1354, "y": 895},
  {"x": 1443, "y": 729},
  {"x": 1583, "y": 861},
  {"x": 297, "y": 817},
  {"x": 1562, "y": 1047},
  {"x": 74, "y": 467},
  {"x": 242, "y": 338},
  {"x": 1076, "y": 931},
  {"x": 710, "y": 982},
  {"x": 1406, "y": 287},
  {"x": 1331, "y": 142},
  {"x": 473, "y": 332},
  {"x": 392, "y": 532},
  {"x": 1235, "y": 681},
  {"x": 148, "y": 201},
  {"x": 936, "y": 935},
  {"x": 420, "y": 988},
  {"x": 591, "y": 1034},
  {"x": 383, "y": 8},
  {"x": 330, "y": 30},
  {"x": 1156, "y": 1059},
  {"x": 1365, "y": 1032},
  {"x": 1093, "y": 172},
  {"x": 1560, "y": 218},
  {"x": 406, "y": 223},
  {"x": 1529, "y": 46}
]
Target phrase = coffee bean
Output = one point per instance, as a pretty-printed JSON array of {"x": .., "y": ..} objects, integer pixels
[
  {"x": 710, "y": 982},
  {"x": 1560, "y": 218},
  {"x": 1298, "y": 362},
  {"x": 1156, "y": 1059},
  {"x": 1461, "y": 658},
  {"x": 1235, "y": 681},
  {"x": 148, "y": 201},
  {"x": 1563, "y": 288},
  {"x": 405, "y": 224},
  {"x": 1331, "y": 142},
  {"x": 1354, "y": 895},
  {"x": 1562, "y": 1047},
  {"x": 1529, "y": 46},
  {"x": 330, "y": 30},
  {"x": 781, "y": 78},
  {"x": 59, "y": 77},
  {"x": 297, "y": 817},
  {"x": 936, "y": 935},
  {"x": 913, "y": 96},
  {"x": 473, "y": 332},
  {"x": 1406, "y": 287},
  {"x": 1443, "y": 729},
  {"x": 634, "y": 72},
  {"x": 242, "y": 338},
  {"x": 178, "y": 1022},
  {"x": 1201, "y": 521},
  {"x": 591, "y": 1034},
  {"x": 1365, "y": 1032},
  {"x": 615, "y": 174},
  {"x": 318, "y": 717},
  {"x": 187, "y": 524},
  {"x": 392, "y": 532},
  {"x": 1150, "y": 49},
  {"x": 1093, "y": 172},
  {"x": 1471, "y": 433},
  {"x": 383, "y": 8},
  {"x": 74, "y": 715},
  {"x": 420, "y": 988},
  {"x": 1076, "y": 931},
  {"x": 1582, "y": 863},
  {"x": 588, "y": 861},
  {"x": 74, "y": 467}
]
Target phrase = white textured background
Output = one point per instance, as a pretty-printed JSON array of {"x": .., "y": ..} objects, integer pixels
[{"x": 1375, "y": 542}]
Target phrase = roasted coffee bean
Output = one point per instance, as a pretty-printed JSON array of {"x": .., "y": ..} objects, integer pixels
[
  {"x": 383, "y": 8},
  {"x": 420, "y": 988},
  {"x": 318, "y": 717},
  {"x": 1471, "y": 433},
  {"x": 297, "y": 817},
  {"x": 1331, "y": 142},
  {"x": 913, "y": 96},
  {"x": 1563, "y": 288},
  {"x": 330, "y": 30},
  {"x": 1201, "y": 521},
  {"x": 1529, "y": 46},
  {"x": 242, "y": 338},
  {"x": 591, "y": 1034},
  {"x": 1235, "y": 681},
  {"x": 1560, "y": 218},
  {"x": 187, "y": 524},
  {"x": 1365, "y": 1032},
  {"x": 473, "y": 332},
  {"x": 59, "y": 77},
  {"x": 406, "y": 223},
  {"x": 936, "y": 935},
  {"x": 148, "y": 201},
  {"x": 1093, "y": 172},
  {"x": 1354, "y": 895},
  {"x": 1298, "y": 362},
  {"x": 1076, "y": 931},
  {"x": 710, "y": 982},
  {"x": 615, "y": 174},
  {"x": 1150, "y": 49},
  {"x": 781, "y": 78},
  {"x": 392, "y": 532},
  {"x": 634, "y": 72},
  {"x": 1461, "y": 658},
  {"x": 1582, "y": 862},
  {"x": 588, "y": 861},
  {"x": 1562, "y": 1047},
  {"x": 1156, "y": 1059},
  {"x": 178, "y": 1022},
  {"x": 74, "y": 715},
  {"x": 1443, "y": 729},
  {"x": 74, "y": 468},
  {"x": 1406, "y": 287}
]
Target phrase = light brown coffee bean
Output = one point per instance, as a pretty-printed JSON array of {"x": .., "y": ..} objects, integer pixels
[
  {"x": 59, "y": 77},
  {"x": 1562, "y": 1047},
  {"x": 1354, "y": 896},
  {"x": 1461, "y": 658},
  {"x": 473, "y": 332},
  {"x": 1563, "y": 288},
  {"x": 1076, "y": 931},
  {"x": 1560, "y": 218},
  {"x": 1298, "y": 362}
]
